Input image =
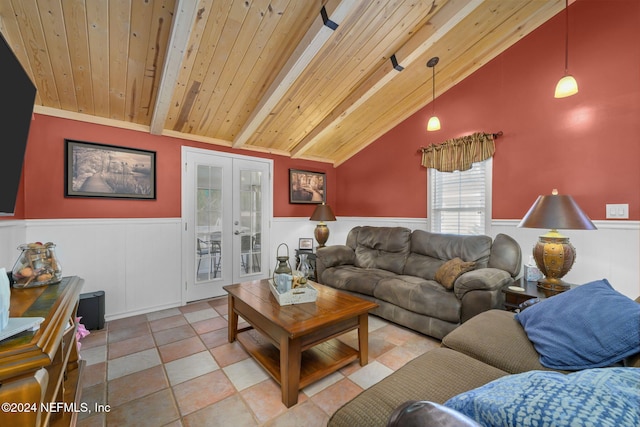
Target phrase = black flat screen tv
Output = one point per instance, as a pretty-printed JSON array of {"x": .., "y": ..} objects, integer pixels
[{"x": 17, "y": 95}]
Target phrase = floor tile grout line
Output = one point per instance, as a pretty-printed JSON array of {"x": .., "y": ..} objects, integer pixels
[{"x": 238, "y": 393}]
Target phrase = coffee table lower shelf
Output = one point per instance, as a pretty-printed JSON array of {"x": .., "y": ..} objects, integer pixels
[{"x": 316, "y": 362}]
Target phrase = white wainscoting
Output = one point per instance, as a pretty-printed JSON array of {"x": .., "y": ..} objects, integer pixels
[
  {"x": 137, "y": 262},
  {"x": 612, "y": 251},
  {"x": 12, "y": 234}
]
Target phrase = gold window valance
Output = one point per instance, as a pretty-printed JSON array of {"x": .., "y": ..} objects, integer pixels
[{"x": 459, "y": 153}]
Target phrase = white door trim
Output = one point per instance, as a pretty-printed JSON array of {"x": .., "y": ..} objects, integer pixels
[{"x": 185, "y": 242}]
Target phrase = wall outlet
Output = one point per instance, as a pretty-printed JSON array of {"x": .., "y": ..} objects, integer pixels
[{"x": 618, "y": 211}]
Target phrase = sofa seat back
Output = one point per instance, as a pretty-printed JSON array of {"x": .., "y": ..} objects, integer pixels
[
  {"x": 385, "y": 248},
  {"x": 430, "y": 250}
]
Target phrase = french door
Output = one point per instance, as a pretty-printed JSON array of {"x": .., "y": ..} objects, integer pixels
[{"x": 226, "y": 211}]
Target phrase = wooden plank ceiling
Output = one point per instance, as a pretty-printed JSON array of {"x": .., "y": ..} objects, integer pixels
[{"x": 314, "y": 79}]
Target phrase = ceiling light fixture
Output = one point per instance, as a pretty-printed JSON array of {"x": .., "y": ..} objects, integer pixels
[
  {"x": 434, "y": 121},
  {"x": 567, "y": 85}
]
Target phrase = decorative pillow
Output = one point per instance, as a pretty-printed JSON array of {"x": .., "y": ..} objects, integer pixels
[
  {"x": 596, "y": 397},
  {"x": 590, "y": 326},
  {"x": 451, "y": 270}
]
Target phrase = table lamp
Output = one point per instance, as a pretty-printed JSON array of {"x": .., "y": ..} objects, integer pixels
[
  {"x": 553, "y": 253},
  {"x": 322, "y": 213}
]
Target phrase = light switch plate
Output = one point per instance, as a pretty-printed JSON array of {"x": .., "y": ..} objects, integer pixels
[{"x": 618, "y": 211}]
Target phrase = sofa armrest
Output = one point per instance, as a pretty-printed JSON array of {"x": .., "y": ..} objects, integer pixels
[
  {"x": 333, "y": 256},
  {"x": 489, "y": 279}
]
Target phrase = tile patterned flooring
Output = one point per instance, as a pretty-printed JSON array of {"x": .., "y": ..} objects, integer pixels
[{"x": 175, "y": 367}]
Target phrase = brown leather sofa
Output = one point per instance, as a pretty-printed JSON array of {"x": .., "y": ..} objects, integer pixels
[{"x": 396, "y": 268}]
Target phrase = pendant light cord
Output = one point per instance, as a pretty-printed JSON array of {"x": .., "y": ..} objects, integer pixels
[
  {"x": 566, "y": 39},
  {"x": 433, "y": 91}
]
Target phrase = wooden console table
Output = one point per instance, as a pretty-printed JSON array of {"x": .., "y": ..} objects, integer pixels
[{"x": 40, "y": 374}]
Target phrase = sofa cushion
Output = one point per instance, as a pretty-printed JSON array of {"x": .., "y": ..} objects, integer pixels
[
  {"x": 386, "y": 248},
  {"x": 422, "y": 266},
  {"x": 496, "y": 338},
  {"x": 594, "y": 397},
  {"x": 419, "y": 296},
  {"x": 449, "y": 246},
  {"x": 451, "y": 270},
  {"x": 437, "y": 375},
  {"x": 350, "y": 278},
  {"x": 590, "y": 326}
]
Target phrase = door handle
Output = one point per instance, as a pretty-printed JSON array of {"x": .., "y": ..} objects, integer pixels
[{"x": 237, "y": 232}]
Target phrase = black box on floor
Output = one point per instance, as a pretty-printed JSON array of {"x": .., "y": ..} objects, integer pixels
[{"x": 91, "y": 309}]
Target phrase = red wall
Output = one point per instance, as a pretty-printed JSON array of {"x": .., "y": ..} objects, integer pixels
[
  {"x": 44, "y": 173},
  {"x": 587, "y": 145}
]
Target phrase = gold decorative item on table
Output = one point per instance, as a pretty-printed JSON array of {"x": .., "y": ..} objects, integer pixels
[{"x": 37, "y": 265}]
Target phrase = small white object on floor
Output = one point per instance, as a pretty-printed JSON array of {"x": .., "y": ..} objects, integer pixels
[{"x": 516, "y": 288}]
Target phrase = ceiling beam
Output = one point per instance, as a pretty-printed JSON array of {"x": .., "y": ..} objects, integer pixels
[
  {"x": 331, "y": 15},
  {"x": 451, "y": 14},
  {"x": 183, "y": 19}
]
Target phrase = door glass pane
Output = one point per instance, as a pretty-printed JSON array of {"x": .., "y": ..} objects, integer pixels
[
  {"x": 250, "y": 221},
  {"x": 208, "y": 223}
]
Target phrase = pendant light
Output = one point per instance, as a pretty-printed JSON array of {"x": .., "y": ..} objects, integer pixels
[
  {"x": 434, "y": 121},
  {"x": 567, "y": 85}
]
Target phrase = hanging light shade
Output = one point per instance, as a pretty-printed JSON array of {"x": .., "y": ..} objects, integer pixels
[
  {"x": 567, "y": 85},
  {"x": 434, "y": 124},
  {"x": 434, "y": 121}
]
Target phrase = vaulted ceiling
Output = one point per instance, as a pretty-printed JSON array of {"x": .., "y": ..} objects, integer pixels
[{"x": 313, "y": 79}]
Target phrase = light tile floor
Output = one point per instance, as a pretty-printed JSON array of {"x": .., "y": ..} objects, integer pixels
[{"x": 176, "y": 367}]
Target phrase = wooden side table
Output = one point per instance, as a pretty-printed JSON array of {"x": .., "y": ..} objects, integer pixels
[{"x": 513, "y": 298}]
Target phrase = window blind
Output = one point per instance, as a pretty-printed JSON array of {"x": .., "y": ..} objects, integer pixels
[{"x": 460, "y": 202}]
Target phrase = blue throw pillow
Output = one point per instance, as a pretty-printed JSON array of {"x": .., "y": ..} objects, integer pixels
[
  {"x": 605, "y": 397},
  {"x": 590, "y": 326}
]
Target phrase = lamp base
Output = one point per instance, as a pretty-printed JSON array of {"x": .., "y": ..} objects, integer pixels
[
  {"x": 321, "y": 233},
  {"x": 554, "y": 286},
  {"x": 554, "y": 256}
]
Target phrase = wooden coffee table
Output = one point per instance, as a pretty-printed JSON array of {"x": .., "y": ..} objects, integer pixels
[{"x": 297, "y": 343}]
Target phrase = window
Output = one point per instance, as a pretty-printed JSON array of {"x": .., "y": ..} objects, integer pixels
[{"x": 460, "y": 202}]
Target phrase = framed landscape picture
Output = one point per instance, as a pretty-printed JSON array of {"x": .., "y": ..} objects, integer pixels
[
  {"x": 307, "y": 186},
  {"x": 99, "y": 170}
]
